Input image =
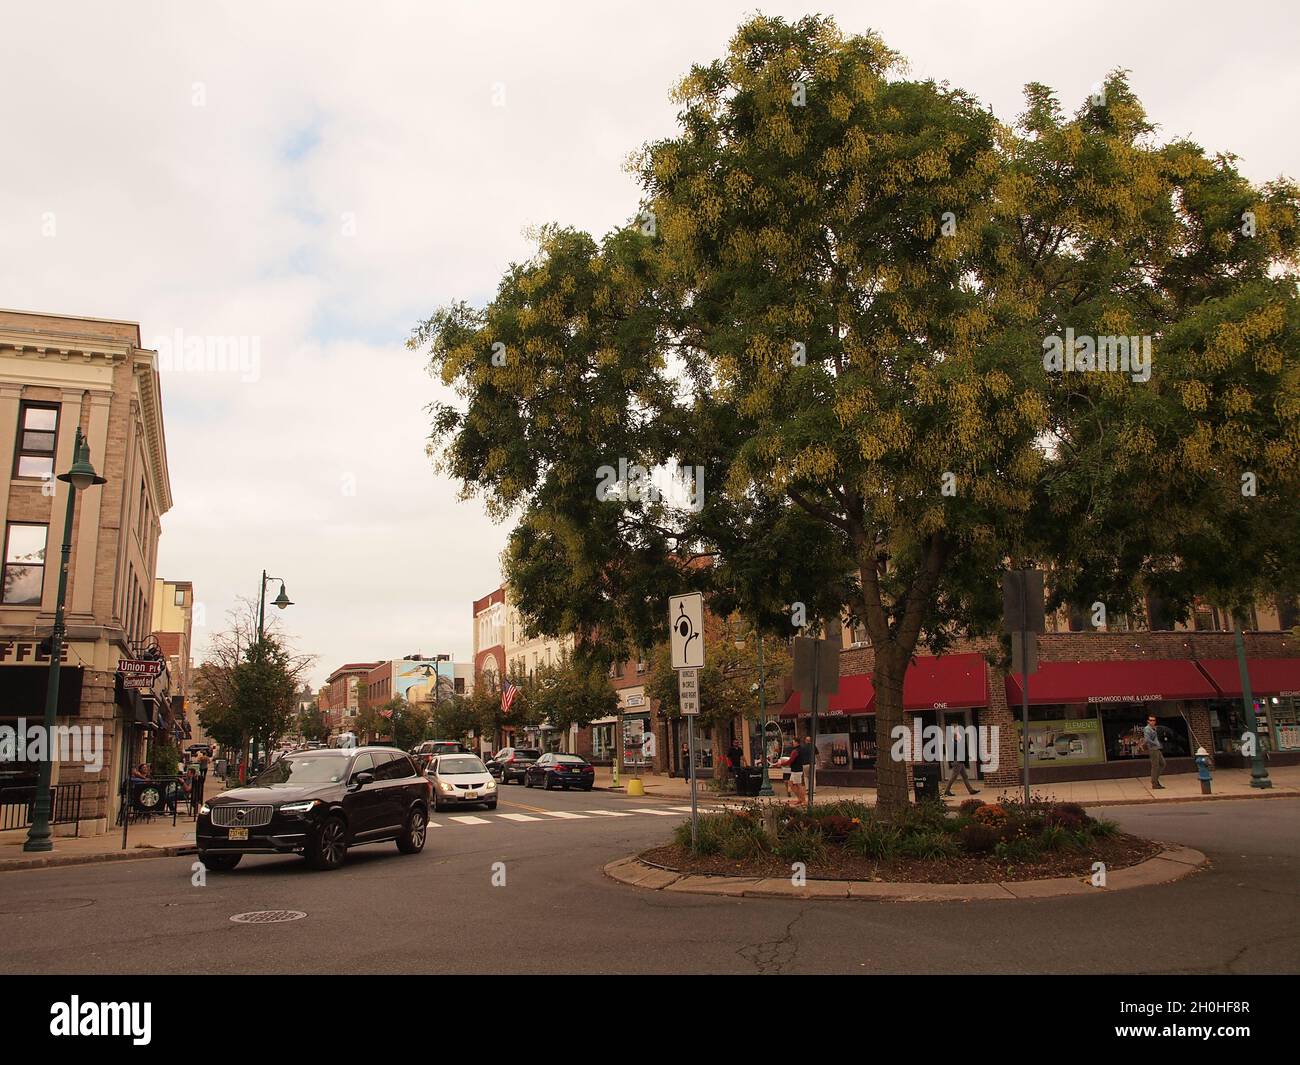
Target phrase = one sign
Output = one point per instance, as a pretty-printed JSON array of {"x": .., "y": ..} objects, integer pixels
[
  {"x": 1020, "y": 662},
  {"x": 822, "y": 657},
  {"x": 1022, "y": 601},
  {"x": 150, "y": 667},
  {"x": 138, "y": 680},
  {"x": 686, "y": 618},
  {"x": 688, "y": 691}
]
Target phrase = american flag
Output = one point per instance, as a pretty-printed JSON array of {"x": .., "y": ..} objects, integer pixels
[
  {"x": 386, "y": 713},
  {"x": 508, "y": 696}
]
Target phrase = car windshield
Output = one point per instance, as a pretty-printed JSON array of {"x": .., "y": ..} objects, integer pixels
[
  {"x": 294, "y": 769},
  {"x": 456, "y": 766}
]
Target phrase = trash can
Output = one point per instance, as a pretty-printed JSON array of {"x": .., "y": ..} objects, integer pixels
[
  {"x": 748, "y": 780},
  {"x": 925, "y": 781}
]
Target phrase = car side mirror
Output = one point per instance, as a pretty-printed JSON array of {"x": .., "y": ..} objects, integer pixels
[{"x": 360, "y": 780}]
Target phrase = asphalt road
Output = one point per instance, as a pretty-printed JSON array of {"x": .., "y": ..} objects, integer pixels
[{"x": 439, "y": 911}]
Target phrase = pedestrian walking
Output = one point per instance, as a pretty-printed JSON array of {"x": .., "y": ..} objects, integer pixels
[
  {"x": 800, "y": 763},
  {"x": 1151, "y": 737},
  {"x": 958, "y": 769}
]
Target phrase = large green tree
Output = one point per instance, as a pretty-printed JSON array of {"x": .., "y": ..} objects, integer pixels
[{"x": 839, "y": 299}]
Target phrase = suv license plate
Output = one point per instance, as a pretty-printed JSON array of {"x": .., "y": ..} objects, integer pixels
[
  {"x": 471, "y": 794},
  {"x": 238, "y": 833}
]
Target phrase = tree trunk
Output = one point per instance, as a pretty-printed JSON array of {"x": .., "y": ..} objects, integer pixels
[{"x": 891, "y": 775}]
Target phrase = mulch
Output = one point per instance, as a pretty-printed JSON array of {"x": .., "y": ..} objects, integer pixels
[{"x": 1116, "y": 851}]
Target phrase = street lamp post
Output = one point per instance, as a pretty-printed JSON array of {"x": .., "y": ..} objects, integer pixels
[
  {"x": 280, "y": 601},
  {"x": 80, "y": 477}
]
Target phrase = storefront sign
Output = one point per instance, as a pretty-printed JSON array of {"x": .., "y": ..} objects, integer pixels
[
  {"x": 27, "y": 652},
  {"x": 1126, "y": 698},
  {"x": 1069, "y": 741}
]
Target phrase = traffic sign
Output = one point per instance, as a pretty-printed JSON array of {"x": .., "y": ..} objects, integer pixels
[
  {"x": 138, "y": 680},
  {"x": 686, "y": 619},
  {"x": 688, "y": 691}
]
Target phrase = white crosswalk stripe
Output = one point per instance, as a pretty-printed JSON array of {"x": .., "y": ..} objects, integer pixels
[{"x": 555, "y": 815}]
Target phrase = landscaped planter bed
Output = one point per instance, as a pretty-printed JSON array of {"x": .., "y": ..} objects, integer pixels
[{"x": 981, "y": 843}]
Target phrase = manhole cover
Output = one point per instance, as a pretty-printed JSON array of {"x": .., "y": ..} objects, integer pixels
[{"x": 268, "y": 916}]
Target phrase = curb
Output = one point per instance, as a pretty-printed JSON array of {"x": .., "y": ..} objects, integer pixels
[
  {"x": 1173, "y": 863},
  {"x": 96, "y": 858}
]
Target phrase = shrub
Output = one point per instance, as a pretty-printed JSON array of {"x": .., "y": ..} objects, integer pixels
[
  {"x": 1099, "y": 826},
  {"x": 1068, "y": 815},
  {"x": 1018, "y": 850},
  {"x": 932, "y": 845},
  {"x": 994, "y": 814},
  {"x": 802, "y": 844},
  {"x": 969, "y": 806},
  {"x": 710, "y": 837},
  {"x": 837, "y": 828},
  {"x": 1055, "y": 838},
  {"x": 873, "y": 839},
  {"x": 978, "y": 839}
]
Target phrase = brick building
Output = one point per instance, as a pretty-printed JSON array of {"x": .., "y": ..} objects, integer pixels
[
  {"x": 341, "y": 698},
  {"x": 58, "y": 373}
]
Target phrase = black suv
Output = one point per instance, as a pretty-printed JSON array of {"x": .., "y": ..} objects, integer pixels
[
  {"x": 511, "y": 763},
  {"x": 318, "y": 804}
]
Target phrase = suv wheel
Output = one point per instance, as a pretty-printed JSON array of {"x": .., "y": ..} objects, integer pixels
[
  {"x": 528, "y": 780},
  {"x": 219, "y": 863},
  {"x": 411, "y": 841},
  {"x": 328, "y": 847}
]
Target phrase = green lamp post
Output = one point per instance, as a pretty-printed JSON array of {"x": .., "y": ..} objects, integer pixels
[
  {"x": 765, "y": 785},
  {"x": 80, "y": 477},
  {"x": 281, "y": 601}
]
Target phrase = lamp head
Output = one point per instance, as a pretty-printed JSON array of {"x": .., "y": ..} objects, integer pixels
[{"x": 282, "y": 600}]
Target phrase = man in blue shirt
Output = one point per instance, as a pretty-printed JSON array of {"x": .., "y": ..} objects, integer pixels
[{"x": 1152, "y": 739}]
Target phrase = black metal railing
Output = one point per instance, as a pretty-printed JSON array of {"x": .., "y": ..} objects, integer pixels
[{"x": 16, "y": 806}]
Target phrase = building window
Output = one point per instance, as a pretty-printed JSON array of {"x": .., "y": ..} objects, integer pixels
[
  {"x": 180, "y": 597},
  {"x": 460, "y": 686},
  {"x": 38, "y": 426},
  {"x": 24, "y": 566}
]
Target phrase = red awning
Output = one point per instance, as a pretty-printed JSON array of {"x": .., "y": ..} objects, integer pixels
[
  {"x": 1268, "y": 676},
  {"x": 1112, "y": 682},
  {"x": 947, "y": 682},
  {"x": 854, "y": 697}
]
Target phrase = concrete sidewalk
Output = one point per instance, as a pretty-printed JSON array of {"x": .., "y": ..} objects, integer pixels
[
  {"x": 154, "y": 839},
  {"x": 1228, "y": 783}
]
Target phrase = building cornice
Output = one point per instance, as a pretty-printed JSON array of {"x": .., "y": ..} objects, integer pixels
[{"x": 155, "y": 439}]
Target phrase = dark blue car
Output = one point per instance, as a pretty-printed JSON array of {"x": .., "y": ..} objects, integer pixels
[{"x": 560, "y": 771}]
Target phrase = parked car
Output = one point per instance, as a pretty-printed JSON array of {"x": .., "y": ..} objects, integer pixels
[
  {"x": 560, "y": 770},
  {"x": 459, "y": 779},
  {"x": 430, "y": 749},
  {"x": 318, "y": 804},
  {"x": 511, "y": 762}
]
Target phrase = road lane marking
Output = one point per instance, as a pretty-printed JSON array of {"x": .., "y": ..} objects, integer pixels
[
  {"x": 657, "y": 813},
  {"x": 681, "y": 809},
  {"x": 470, "y": 819},
  {"x": 561, "y": 813},
  {"x": 518, "y": 817},
  {"x": 524, "y": 806},
  {"x": 607, "y": 813}
]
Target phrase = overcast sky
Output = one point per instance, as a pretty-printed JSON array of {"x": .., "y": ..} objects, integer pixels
[{"x": 318, "y": 177}]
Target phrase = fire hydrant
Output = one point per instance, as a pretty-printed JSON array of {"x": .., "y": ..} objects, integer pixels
[{"x": 1203, "y": 769}]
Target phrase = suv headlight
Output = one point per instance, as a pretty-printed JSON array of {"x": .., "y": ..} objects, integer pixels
[
  {"x": 447, "y": 786},
  {"x": 491, "y": 785},
  {"x": 299, "y": 807},
  {"x": 204, "y": 810}
]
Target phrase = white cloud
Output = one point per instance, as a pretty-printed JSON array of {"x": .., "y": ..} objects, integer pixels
[{"x": 228, "y": 219}]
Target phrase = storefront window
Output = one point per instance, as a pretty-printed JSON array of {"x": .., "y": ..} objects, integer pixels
[
  {"x": 1122, "y": 725},
  {"x": 862, "y": 741}
]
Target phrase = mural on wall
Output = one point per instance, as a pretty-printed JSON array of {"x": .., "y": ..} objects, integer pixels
[{"x": 411, "y": 684}]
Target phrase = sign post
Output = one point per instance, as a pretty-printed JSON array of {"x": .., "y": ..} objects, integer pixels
[
  {"x": 1024, "y": 617},
  {"x": 686, "y": 624},
  {"x": 816, "y": 678}
]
